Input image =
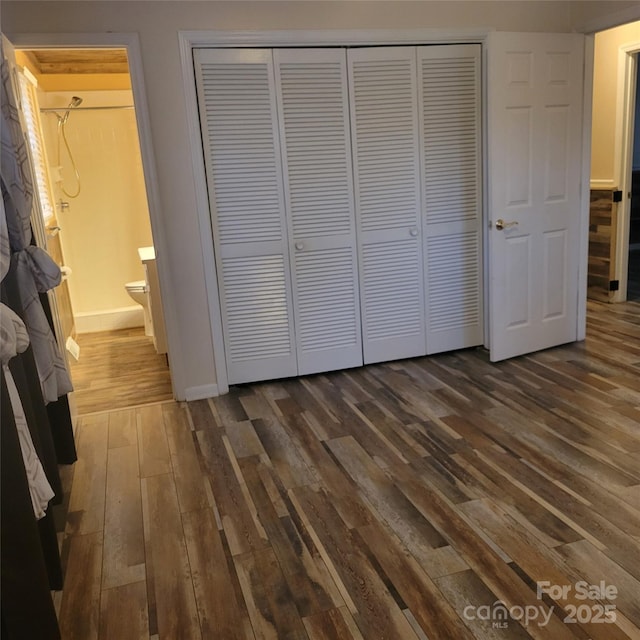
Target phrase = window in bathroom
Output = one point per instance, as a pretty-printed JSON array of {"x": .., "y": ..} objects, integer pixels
[{"x": 33, "y": 125}]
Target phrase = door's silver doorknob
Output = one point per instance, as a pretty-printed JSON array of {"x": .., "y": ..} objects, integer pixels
[
  {"x": 413, "y": 232},
  {"x": 501, "y": 224},
  {"x": 299, "y": 246}
]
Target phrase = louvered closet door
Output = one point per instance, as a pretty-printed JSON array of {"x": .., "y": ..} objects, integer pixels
[
  {"x": 450, "y": 138},
  {"x": 236, "y": 98},
  {"x": 314, "y": 125},
  {"x": 385, "y": 136}
]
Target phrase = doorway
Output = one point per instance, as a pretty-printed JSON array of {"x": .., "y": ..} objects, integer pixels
[
  {"x": 614, "y": 242},
  {"x": 633, "y": 272},
  {"x": 100, "y": 221}
]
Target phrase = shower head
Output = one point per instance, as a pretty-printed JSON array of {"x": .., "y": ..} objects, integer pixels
[{"x": 75, "y": 101}]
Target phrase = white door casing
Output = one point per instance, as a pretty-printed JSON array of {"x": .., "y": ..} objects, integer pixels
[
  {"x": 318, "y": 185},
  {"x": 535, "y": 110}
]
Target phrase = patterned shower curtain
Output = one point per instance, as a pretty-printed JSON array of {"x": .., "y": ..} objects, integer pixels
[{"x": 36, "y": 271}]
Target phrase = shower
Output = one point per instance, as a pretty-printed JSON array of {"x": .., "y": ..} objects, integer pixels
[
  {"x": 75, "y": 102},
  {"x": 62, "y": 121}
]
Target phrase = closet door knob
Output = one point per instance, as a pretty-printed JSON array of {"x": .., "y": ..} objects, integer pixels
[
  {"x": 299, "y": 246},
  {"x": 413, "y": 232}
]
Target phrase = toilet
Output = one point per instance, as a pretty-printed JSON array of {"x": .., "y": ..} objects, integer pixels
[{"x": 139, "y": 292}]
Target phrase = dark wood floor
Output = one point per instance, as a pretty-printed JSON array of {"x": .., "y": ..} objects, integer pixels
[
  {"x": 118, "y": 369},
  {"x": 400, "y": 500}
]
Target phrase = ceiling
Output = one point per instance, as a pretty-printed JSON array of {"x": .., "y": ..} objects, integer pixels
[{"x": 78, "y": 61}]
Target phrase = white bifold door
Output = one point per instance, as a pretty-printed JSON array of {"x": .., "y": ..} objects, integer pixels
[
  {"x": 313, "y": 113},
  {"x": 237, "y": 103},
  {"x": 415, "y": 114},
  {"x": 449, "y": 94},
  {"x": 386, "y": 159},
  {"x": 345, "y": 201}
]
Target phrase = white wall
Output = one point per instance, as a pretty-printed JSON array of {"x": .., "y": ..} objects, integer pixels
[{"x": 158, "y": 24}]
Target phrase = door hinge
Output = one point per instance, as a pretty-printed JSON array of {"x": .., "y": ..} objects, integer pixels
[
  {"x": 614, "y": 285},
  {"x": 617, "y": 196}
]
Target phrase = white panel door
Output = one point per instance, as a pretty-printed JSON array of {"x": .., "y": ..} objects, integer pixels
[
  {"x": 316, "y": 154},
  {"x": 535, "y": 100},
  {"x": 385, "y": 139},
  {"x": 450, "y": 145},
  {"x": 237, "y": 104}
]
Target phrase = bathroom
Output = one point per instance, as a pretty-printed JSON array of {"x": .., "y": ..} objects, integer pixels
[{"x": 97, "y": 182}]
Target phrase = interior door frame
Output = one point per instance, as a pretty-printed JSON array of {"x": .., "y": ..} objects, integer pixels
[
  {"x": 131, "y": 42},
  {"x": 623, "y": 159},
  {"x": 190, "y": 40},
  {"x": 585, "y": 185}
]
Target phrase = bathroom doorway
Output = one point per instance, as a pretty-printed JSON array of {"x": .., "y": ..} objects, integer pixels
[
  {"x": 101, "y": 219},
  {"x": 633, "y": 274},
  {"x": 614, "y": 241}
]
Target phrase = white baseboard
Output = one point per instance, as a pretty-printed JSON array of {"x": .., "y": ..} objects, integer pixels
[
  {"x": 202, "y": 392},
  {"x": 602, "y": 184},
  {"x": 109, "y": 319}
]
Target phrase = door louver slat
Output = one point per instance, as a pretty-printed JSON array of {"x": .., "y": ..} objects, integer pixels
[
  {"x": 385, "y": 269},
  {"x": 313, "y": 114},
  {"x": 450, "y": 112},
  {"x": 453, "y": 296},
  {"x": 256, "y": 303},
  {"x": 238, "y": 114},
  {"x": 326, "y": 301}
]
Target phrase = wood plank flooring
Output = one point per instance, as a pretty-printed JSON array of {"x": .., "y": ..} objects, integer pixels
[
  {"x": 424, "y": 498},
  {"x": 118, "y": 369}
]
